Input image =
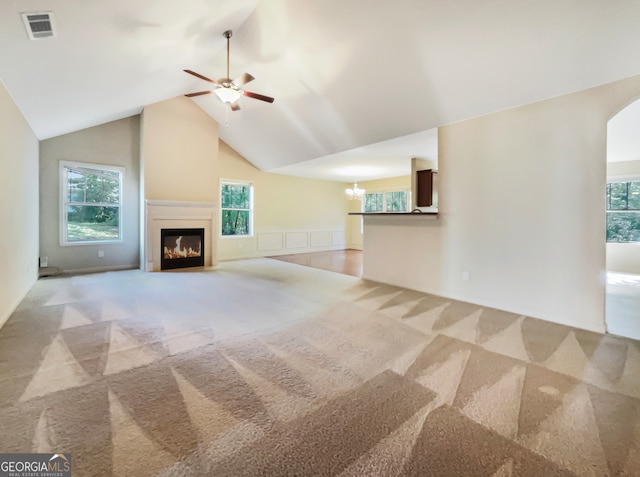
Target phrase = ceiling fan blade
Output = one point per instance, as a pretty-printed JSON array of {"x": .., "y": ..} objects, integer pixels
[
  {"x": 261, "y": 97},
  {"x": 235, "y": 107},
  {"x": 199, "y": 93},
  {"x": 244, "y": 79},
  {"x": 198, "y": 75}
]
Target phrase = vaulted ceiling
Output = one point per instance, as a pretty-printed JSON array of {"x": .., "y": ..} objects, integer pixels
[{"x": 347, "y": 75}]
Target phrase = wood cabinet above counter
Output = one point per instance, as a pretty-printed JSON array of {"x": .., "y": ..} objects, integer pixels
[{"x": 424, "y": 188}]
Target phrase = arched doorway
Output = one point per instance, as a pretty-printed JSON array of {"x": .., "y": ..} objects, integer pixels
[{"x": 622, "y": 313}]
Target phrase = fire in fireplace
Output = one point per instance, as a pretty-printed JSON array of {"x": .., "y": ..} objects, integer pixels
[{"x": 182, "y": 248}]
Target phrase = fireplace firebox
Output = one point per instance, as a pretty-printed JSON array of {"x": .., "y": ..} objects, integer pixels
[{"x": 181, "y": 248}]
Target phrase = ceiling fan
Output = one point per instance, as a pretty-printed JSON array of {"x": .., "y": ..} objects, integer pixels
[{"x": 225, "y": 89}]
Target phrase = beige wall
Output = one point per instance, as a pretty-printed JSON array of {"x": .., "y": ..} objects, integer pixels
[
  {"x": 18, "y": 206},
  {"x": 623, "y": 257},
  {"x": 116, "y": 144},
  {"x": 180, "y": 165},
  {"x": 291, "y": 214},
  {"x": 520, "y": 208},
  {"x": 393, "y": 183},
  {"x": 180, "y": 150},
  {"x": 355, "y": 223},
  {"x": 183, "y": 160}
]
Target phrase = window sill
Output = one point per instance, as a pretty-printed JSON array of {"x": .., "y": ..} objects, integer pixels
[{"x": 91, "y": 242}]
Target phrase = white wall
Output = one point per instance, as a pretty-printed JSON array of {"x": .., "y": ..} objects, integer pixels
[
  {"x": 18, "y": 206},
  {"x": 520, "y": 208},
  {"x": 116, "y": 143},
  {"x": 624, "y": 257}
]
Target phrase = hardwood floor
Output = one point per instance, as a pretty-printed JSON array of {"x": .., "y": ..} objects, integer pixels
[{"x": 347, "y": 262}]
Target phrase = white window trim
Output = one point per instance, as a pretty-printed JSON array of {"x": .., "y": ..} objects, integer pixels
[
  {"x": 634, "y": 177},
  {"x": 62, "y": 222},
  {"x": 236, "y": 182},
  {"x": 384, "y": 198}
]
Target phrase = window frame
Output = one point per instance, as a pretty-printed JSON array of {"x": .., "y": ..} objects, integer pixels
[
  {"x": 364, "y": 202},
  {"x": 64, "y": 202},
  {"x": 384, "y": 193},
  {"x": 619, "y": 180},
  {"x": 250, "y": 209}
]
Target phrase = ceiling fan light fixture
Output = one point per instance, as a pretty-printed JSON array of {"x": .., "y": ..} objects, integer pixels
[
  {"x": 226, "y": 90},
  {"x": 228, "y": 95}
]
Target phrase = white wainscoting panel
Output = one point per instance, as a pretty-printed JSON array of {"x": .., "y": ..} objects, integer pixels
[
  {"x": 296, "y": 240},
  {"x": 269, "y": 241},
  {"x": 320, "y": 239},
  {"x": 272, "y": 242}
]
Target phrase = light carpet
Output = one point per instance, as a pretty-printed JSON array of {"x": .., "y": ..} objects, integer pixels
[{"x": 266, "y": 368}]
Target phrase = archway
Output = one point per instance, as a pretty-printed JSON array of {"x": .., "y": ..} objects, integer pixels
[{"x": 622, "y": 314}]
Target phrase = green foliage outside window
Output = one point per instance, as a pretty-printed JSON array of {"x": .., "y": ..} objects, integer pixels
[
  {"x": 373, "y": 202},
  {"x": 92, "y": 203},
  {"x": 623, "y": 212},
  {"x": 395, "y": 201},
  {"x": 235, "y": 202}
]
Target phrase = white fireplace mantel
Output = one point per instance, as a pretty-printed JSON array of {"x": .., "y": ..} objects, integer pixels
[{"x": 170, "y": 214}]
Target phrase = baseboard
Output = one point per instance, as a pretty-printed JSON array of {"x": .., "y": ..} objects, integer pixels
[
  {"x": 334, "y": 248},
  {"x": 495, "y": 306},
  {"x": 79, "y": 271},
  {"x": 7, "y": 314},
  {"x": 280, "y": 252}
]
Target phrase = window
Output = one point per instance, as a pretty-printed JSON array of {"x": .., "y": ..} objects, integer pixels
[
  {"x": 623, "y": 211},
  {"x": 396, "y": 201},
  {"x": 236, "y": 199},
  {"x": 373, "y": 202},
  {"x": 91, "y": 203},
  {"x": 392, "y": 201}
]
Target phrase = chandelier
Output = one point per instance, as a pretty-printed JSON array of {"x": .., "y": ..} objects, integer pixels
[{"x": 355, "y": 193}]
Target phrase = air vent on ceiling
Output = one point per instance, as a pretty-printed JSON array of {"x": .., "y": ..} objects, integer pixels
[{"x": 39, "y": 25}]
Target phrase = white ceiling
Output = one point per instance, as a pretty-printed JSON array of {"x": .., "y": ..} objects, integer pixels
[
  {"x": 345, "y": 74},
  {"x": 390, "y": 158}
]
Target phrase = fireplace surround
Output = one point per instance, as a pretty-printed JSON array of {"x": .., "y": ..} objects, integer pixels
[
  {"x": 165, "y": 214},
  {"x": 182, "y": 248}
]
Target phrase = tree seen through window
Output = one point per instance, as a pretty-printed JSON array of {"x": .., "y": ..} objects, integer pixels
[
  {"x": 623, "y": 211},
  {"x": 92, "y": 199},
  {"x": 235, "y": 200},
  {"x": 392, "y": 201}
]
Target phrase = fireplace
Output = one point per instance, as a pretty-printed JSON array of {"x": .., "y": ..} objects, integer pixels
[{"x": 181, "y": 248}]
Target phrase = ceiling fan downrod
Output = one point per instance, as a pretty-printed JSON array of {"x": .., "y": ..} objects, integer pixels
[
  {"x": 227, "y": 90},
  {"x": 228, "y": 34}
]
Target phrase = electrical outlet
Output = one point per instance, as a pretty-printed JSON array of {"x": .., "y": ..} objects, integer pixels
[
  {"x": 44, "y": 262},
  {"x": 100, "y": 253},
  {"x": 466, "y": 275}
]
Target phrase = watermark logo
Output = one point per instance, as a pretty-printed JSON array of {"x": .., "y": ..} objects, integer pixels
[{"x": 35, "y": 465}]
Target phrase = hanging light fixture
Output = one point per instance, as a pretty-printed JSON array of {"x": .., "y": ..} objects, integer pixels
[
  {"x": 228, "y": 93},
  {"x": 355, "y": 193}
]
